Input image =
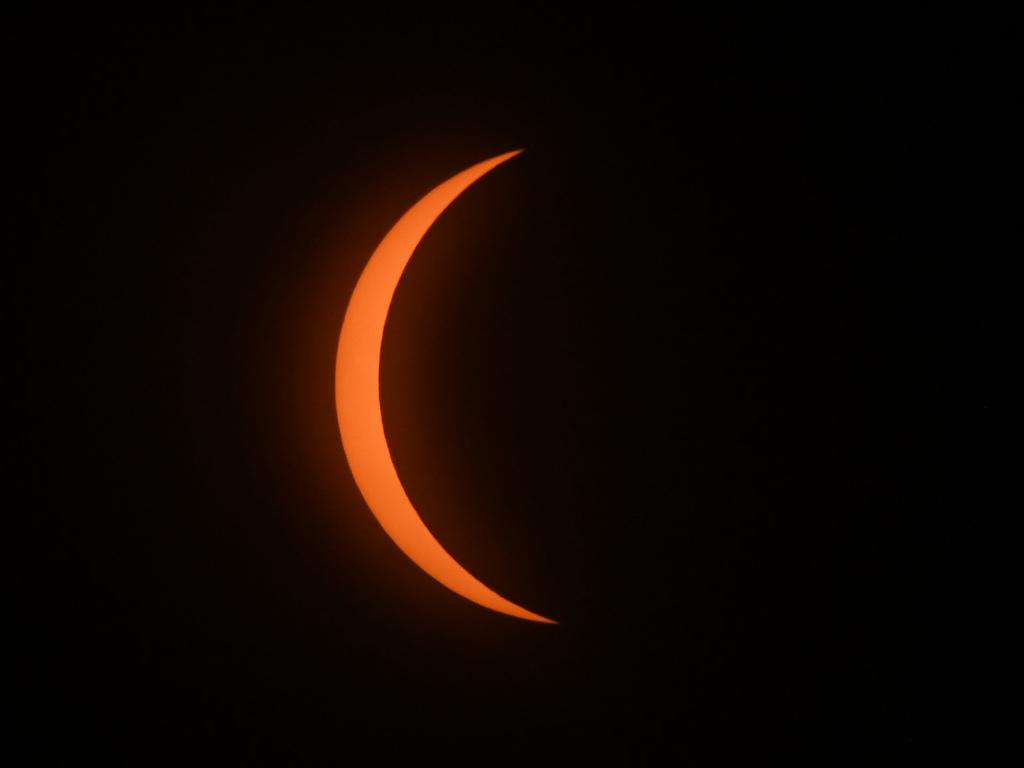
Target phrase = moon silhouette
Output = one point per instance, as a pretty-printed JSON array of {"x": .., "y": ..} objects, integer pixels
[{"x": 357, "y": 396}]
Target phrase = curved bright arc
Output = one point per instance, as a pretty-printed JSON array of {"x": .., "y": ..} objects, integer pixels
[{"x": 357, "y": 396}]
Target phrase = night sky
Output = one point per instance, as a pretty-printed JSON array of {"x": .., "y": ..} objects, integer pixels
[{"x": 653, "y": 378}]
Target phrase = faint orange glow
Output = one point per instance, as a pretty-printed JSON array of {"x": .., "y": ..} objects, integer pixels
[{"x": 357, "y": 396}]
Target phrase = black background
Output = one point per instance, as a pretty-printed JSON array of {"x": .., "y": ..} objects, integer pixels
[{"x": 653, "y": 378}]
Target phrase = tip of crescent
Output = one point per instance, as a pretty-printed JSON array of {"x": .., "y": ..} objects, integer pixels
[{"x": 540, "y": 619}]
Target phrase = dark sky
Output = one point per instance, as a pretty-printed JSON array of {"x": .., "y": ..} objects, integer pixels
[{"x": 653, "y": 378}]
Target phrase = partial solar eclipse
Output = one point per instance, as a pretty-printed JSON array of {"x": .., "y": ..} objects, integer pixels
[{"x": 357, "y": 396}]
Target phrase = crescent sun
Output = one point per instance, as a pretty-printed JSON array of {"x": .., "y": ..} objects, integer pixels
[{"x": 357, "y": 396}]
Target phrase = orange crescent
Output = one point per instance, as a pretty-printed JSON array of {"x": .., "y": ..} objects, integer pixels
[{"x": 357, "y": 396}]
